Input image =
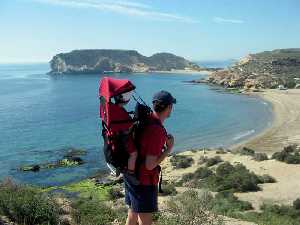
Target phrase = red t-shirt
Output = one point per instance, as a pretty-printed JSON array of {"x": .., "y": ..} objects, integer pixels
[{"x": 151, "y": 142}]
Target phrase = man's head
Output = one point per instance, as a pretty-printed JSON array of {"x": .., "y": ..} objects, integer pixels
[{"x": 163, "y": 103}]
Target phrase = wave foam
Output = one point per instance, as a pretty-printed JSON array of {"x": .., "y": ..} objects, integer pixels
[{"x": 243, "y": 134}]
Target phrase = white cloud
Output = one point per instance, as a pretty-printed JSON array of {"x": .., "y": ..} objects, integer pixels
[
  {"x": 125, "y": 7},
  {"x": 223, "y": 20}
]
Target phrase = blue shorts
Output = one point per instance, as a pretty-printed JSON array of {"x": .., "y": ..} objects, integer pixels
[{"x": 141, "y": 198}]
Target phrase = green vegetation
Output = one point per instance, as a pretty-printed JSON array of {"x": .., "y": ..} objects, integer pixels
[
  {"x": 189, "y": 208},
  {"x": 213, "y": 161},
  {"x": 93, "y": 212},
  {"x": 246, "y": 151},
  {"x": 226, "y": 178},
  {"x": 27, "y": 205},
  {"x": 260, "y": 156},
  {"x": 236, "y": 178},
  {"x": 267, "y": 69},
  {"x": 168, "y": 188},
  {"x": 221, "y": 151},
  {"x": 273, "y": 215},
  {"x": 226, "y": 203},
  {"x": 290, "y": 154},
  {"x": 181, "y": 161},
  {"x": 88, "y": 189}
]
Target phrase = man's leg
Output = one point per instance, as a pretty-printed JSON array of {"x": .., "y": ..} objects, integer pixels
[
  {"x": 132, "y": 218},
  {"x": 145, "y": 218}
]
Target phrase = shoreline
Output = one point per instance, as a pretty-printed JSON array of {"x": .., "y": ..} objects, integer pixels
[
  {"x": 285, "y": 126},
  {"x": 184, "y": 72}
]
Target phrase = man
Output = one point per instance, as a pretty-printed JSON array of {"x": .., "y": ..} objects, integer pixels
[{"x": 142, "y": 198}]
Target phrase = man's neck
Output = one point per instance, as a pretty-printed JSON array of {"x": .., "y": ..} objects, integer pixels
[{"x": 159, "y": 116}]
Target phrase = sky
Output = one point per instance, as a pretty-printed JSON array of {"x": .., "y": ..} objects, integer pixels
[{"x": 36, "y": 30}]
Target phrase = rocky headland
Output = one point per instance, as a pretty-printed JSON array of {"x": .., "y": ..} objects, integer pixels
[
  {"x": 267, "y": 69},
  {"x": 94, "y": 61}
]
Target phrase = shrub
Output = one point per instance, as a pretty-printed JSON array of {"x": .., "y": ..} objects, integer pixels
[
  {"x": 202, "y": 172},
  {"x": 260, "y": 156},
  {"x": 224, "y": 169},
  {"x": 168, "y": 189},
  {"x": 194, "y": 179},
  {"x": 281, "y": 210},
  {"x": 273, "y": 215},
  {"x": 189, "y": 208},
  {"x": 187, "y": 177},
  {"x": 266, "y": 179},
  {"x": 246, "y": 151},
  {"x": 235, "y": 178},
  {"x": 92, "y": 212},
  {"x": 27, "y": 205},
  {"x": 296, "y": 204},
  {"x": 181, "y": 161},
  {"x": 213, "y": 161},
  {"x": 289, "y": 155},
  {"x": 220, "y": 151},
  {"x": 226, "y": 203}
]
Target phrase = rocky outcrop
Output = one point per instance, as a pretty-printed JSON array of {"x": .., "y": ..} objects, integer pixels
[
  {"x": 105, "y": 60},
  {"x": 263, "y": 70}
]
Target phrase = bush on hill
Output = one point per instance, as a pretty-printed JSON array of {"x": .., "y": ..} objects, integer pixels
[
  {"x": 27, "y": 205},
  {"x": 272, "y": 215},
  {"x": 213, "y": 161},
  {"x": 296, "y": 204},
  {"x": 290, "y": 154},
  {"x": 246, "y": 151},
  {"x": 189, "y": 208},
  {"x": 181, "y": 161},
  {"x": 221, "y": 151},
  {"x": 226, "y": 203},
  {"x": 228, "y": 177},
  {"x": 260, "y": 156},
  {"x": 92, "y": 212},
  {"x": 168, "y": 188}
]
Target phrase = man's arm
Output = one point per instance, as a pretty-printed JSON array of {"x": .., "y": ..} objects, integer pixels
[{"x": 154, "y": 161}]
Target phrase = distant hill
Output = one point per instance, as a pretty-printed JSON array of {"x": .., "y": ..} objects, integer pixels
[
  {"x": 262, "y": 70},
  {"x": 109, "y": 60}
]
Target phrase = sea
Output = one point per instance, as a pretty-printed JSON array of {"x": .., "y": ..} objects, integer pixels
[{"x": 42, "y": 116}]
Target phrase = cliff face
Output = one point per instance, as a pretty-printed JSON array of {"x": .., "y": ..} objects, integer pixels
[
  {"x": 262, "y": 70},
  {"x": 99, "y": 61}
]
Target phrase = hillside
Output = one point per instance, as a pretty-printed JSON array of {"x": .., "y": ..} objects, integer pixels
[
  {"x": 262, "y": 70},
  {"x": 108, "y": 60}
]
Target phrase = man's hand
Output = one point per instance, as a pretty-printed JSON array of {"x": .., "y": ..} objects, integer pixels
[{"x": 170, "y": 142}]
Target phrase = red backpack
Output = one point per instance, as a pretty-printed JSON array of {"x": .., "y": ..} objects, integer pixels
[{"x": 118, "y": 124}]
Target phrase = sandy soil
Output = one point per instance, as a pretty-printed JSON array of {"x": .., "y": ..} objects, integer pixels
[{"x": 285, "y": 129}]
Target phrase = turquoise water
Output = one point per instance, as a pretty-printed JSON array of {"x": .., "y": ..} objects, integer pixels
[{"x": 41, "y": 115}]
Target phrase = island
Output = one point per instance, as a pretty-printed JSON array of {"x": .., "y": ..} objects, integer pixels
[
  {"x": 269, "y": 69},
  {"x": 95, "y": 61}
]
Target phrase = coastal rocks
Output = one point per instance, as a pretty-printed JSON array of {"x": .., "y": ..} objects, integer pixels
[
  {"x": 109, "y": 61},
  {"x": 71, "y": 158},
  {"x": 262, "y": 70}
]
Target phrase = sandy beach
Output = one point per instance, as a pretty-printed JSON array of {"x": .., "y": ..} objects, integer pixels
[{"x": 285, "y": 128}]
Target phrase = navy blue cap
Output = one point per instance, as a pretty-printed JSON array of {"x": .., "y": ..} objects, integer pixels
[{"x": 164, "y": 98}]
